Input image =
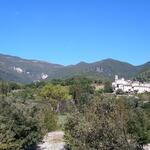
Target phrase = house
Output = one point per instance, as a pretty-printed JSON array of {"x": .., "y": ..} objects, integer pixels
[{"x": 129, "y": 86}]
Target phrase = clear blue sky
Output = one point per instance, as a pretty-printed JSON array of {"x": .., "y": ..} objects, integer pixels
[{"x": 69, "y": 31}]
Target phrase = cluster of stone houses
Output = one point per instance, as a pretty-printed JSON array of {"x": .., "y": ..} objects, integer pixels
[{"x": 129, "y": 86}]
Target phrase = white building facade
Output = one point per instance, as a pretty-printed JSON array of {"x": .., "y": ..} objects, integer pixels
[{"x": 129, "y": 86}]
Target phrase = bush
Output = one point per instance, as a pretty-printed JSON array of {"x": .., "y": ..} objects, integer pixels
[
  {"x": 108, "y": 124},
  {"x": 50, "y": 121},
  {"x": 19, "y": 125},
  {"x": 119, "y": 92},
  {"x": 108, "y": 87}
]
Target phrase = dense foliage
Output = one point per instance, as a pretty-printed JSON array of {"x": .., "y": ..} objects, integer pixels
[
  {"x": 98, "y": 119},
  {"x": 108, "y": 87},
  {"x": 54, "y": 95},
  {"x": 19, "y": 125},
  {"x": 144, "y": 76},
  {"x": 81, "y": 90},
  {"x": 108, "y": 124}
]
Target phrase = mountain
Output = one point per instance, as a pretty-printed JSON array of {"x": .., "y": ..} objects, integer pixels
[
  {"x": 144, "y": 76},
  {"x": 22, "y": 70},
  {"x": 144, "y": 73},
  {"x": 107, "y": 68},
  {"x": 144, "y": 66}
]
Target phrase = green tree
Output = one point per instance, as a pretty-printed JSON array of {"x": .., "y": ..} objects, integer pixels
[
  {"x": 55, "y": 94},
  {"x": 108, "y": 87},
  {"x": 108, "y": 124},
  {"x": 4, "y": 88},
  {"x": 81, "y": 90},
  {"x": 19, "y": 125}
]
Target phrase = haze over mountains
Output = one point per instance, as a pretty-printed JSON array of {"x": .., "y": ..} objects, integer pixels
[{"x": 16, "y": 69}]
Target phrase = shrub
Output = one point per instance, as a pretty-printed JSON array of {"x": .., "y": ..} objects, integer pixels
[
  {"x": 119, "y": 92},
  {"x": 107, "y": 124},
  {"x": 50, "y": 121},
  {"x": 19, "y": 125}
]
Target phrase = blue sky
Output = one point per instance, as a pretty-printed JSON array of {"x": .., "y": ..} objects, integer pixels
[{"x": 69, "y": 31}]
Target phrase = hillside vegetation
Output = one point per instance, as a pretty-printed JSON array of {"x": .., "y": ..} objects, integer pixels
[
  {"x": 26, "y": 71},
  {"x": 91, "y": 119},
  {"x": 144, "y": 76}
]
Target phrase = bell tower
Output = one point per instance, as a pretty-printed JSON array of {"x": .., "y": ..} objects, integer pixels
[{"x": 116, "y": 77}]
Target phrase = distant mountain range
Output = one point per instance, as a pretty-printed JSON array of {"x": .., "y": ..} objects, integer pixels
[{"x": 16, "y": 69}]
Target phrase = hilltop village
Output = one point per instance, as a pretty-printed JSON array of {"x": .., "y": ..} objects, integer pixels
[{"x": 130, "y": 86}]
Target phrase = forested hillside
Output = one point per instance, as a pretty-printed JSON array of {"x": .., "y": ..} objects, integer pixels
[
  {"x": 144, "y": 76},
  {"x": 16, "y": 69},
  {"x": 26, "y": 71},
  {"x": 103, "y": 69}
]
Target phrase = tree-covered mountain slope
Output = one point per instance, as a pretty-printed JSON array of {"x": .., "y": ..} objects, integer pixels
[
  {"x": 22, "y": 70},
  {"x": 107, "y": 68}
]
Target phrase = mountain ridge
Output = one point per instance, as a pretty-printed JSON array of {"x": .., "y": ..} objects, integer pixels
[{"x": 18, "y": 69}]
